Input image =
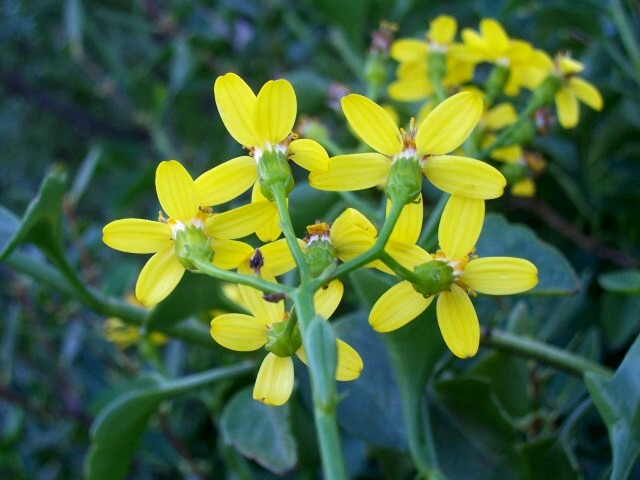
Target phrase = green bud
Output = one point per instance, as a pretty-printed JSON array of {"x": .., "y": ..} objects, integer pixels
[
  {"x": 274, "y": 169},
  {"x": 545, "y": 93},
  {"x": 280, "y": 342},
  {"x": 405, "y": 180},
  {"x": 496, "y": 81},
  {"x": 319, "y": 255},
  {"x": 192, "y": 243},
  {"x": 514, "y": 172},
  {"x": 435, "y": 276}
]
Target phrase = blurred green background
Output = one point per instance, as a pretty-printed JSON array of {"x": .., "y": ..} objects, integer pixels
[{"x": 106, "y": 90}]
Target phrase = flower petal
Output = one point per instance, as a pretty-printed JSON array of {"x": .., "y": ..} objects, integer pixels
[
  {"x": 275, "y": 111},
  {"x": 351, "y": 218},
  {"x": 351, "y": 234},
  {"x": 409, "y": 224},
  {"x": 465, "y": 177},
  {"x": 449, "y": 124},
  {"x": 409, "y": 50},
  {"x": 309, "y": 154},
  {"x": 236, "y": 103},
  {"x": 408, "y": 255},
  {"x": 229, "y": 254},
  {"x": 523, "y": 188},
  {"x": 500, "y": 116},
  {"x": 494, "y": 35},
  {"x": 266, "y": 312},
  {"x": 567, "y": 107},
  {"x": 500, "y": 275},
  {"x": 442, "y": 29},
  {"x": 376, "y": 128},
  {"x": 133, "y": 235},
  {"x": 397, "y": 307},
  {"x": 278, "y": 259},
  {"x": 241, "y": 221},
  {"x": 585, "y": 92},
  {"x": 352, "y": 172},
  {"x": 349, "y": 362},
  {"x": 176, "y": 191},
  {"x": 458, "y": 322},
  {"x": 242, "y": 333},
  {"x": 327, "y": 299},
  {"x": 226, "y": 181},
  {"x": 460, "y": 226},
  {"x": 274, "y": 383},
  {"x": 159, "y": 277},
  {"x": 268, "y": 229}
]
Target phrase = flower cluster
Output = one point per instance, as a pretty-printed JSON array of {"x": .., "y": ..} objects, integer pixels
[{"x": 460, "y": 128}]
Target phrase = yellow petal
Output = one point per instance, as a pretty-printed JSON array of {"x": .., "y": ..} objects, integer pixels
[
  {"x": 460, "y": 226},
  {"x": 585, "y": 92},
  {"x": 349, "y": 219},
  {"x": 239, "y": 332},
  {"x": 176, "y": 191},
  {"x": 327, "y": 299},
  {"x": 501, "y": 116},
  {"x": 442, "y": 29},
  {"x": 408, "y": 226},
  {"x": 268, "y": 228},
  {"x": 494, "y": 35},
  {"x": 406, "y": 50},
  {"x": 449, "y": 124},
  {"x": 309, "y": 154},
  {"x": 567, "y": 107},
  {"x": 349, "y": 362},
  {"x": 274, "y": 383},
  {"x": 511, "y": 154},
  {"x": 410, "y": 91},
  {"x": 277, "y": 256},
  {"x": 397, "y": 307},
  {"x": 159, "y": 277},
  {"x": 266, "y": 312},
  {"x": 408, "y": 255},
  {"x": 229, "y": 254},
  {"x": 241, "y": 221},
  {"x": 236, "y": 103},
  {"x": 465, "y": 177},
  {"x": 569, "y": 66},
  {"x": 352, "y": 172},
  {"x": 524, "y": 188},
  {"x": 376, "y": 128},
  {"x": 500, "y": 275},
  {"x": 351, "y": 234},
  {"x": 458, "y": 322},
  {"x": 226, "y": 181},
  {"x": 133, "y": 235},
  {"x": 275, "y": 111}
]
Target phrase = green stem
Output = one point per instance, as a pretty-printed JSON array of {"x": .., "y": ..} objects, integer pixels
[
  {"x": 280, "y": 198},
  {"x": 530, "y": 348},
  {"x": 202, "y": 379},
  {"x": 374, "y": 252},
  {"x": 504, "y": 137},
  {"x": 398, "y": 269},
  {"x": 256, "y": 282}
]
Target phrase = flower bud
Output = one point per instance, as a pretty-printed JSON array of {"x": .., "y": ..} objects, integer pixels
[
  {"x": 273, "y": 170},
  {"x": 191, "y": 242},
  {"x": 405, "y": 180},
  {"x": 282, "y": 343},
  {"x": 320, "y": 252},
  {"x": 546, "y": 91},
  {"x": 435, "y": 276}
]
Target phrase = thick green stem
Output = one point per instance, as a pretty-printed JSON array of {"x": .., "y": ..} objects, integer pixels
[
  {"x": 530, "y": 348},
  {"x": 256, "y": 282}
]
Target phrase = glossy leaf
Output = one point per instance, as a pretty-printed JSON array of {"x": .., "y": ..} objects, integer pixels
[{"x": 622, "y": 281}]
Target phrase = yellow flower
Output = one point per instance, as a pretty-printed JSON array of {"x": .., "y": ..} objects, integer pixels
[
  {"x": 124, "y": 336},
  {"x": 244, "y": 333},
  {"x": 443, "y": 130},
  {"x": 572, "y": 90},
  {"x": 460, "y": 273},
  {"x": 413, "y": 82},
  {"x": 179, "y": 199},
  {"x": 263, "y": 124}
]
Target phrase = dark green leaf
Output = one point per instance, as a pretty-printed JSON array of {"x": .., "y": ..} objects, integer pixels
[
  {"x": 622, "y": 281},
  {"x": 547, "y": 458},
  {"x": 620, "y": 319},
  {"x": 499, "y": 239},
  {"x": 259, "y": 431},
  {"x": 42, "y": 221},
  {"x": 618, "y": 401}
]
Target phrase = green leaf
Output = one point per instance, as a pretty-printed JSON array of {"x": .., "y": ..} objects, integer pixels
[
  {"x": 42, "y": 221},
  {"x": 547, "y": 458},
  {"x": 622, "y": 281},
  {"x": 620, "y": 319},
  {"x": 618, "y": 402},
  {"x": 259, "y": 431},
  {"x": 500, "y": 238}
]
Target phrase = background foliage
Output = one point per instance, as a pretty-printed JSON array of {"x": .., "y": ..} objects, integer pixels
[{"x": 99, "y": 93}]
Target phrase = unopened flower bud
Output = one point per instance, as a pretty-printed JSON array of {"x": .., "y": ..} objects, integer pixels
[{"x": 435, "y": 276}]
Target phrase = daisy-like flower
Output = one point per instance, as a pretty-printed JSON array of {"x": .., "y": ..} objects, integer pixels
[
  {"x": 169, "y": 237},
  {"x": 572, "y": 90},
  {"x": 267, "y": 327},
  {"x": 263, "y": 125},
  {"x": 415, "y": 63},
  {"x": 452, "y": 273},
  {"x": 425, "y": 148}
]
